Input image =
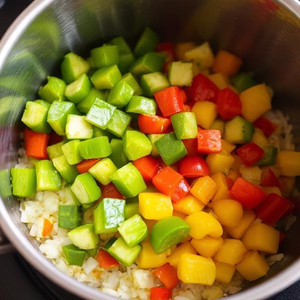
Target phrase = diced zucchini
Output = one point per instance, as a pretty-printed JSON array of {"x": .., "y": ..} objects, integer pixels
[
  {"x": 153, "y": 138},
  {"x": 47, "y": 177},
  {"x": 146, "y": 43},
  {"x": 153, "y": 82},
  {"x": 23, "y": 182},
  {"x": 202, "y": 54},
  {"x": 141, "y": 105},
  {"x": 131, "y": 208},
  {"x": 269, "y": 157},
  {"x": 84, "y": 237},
  {"x": 78, "y": 128},
  {"x": 181, "y": 73},
  {"x": 71, "y": 152},
  {"x": 129, "y": 78},
  {"x": 77, "y": 90},
  {"x": 120, "y": 94},
  {"x": 106, "y": 78},
  {"x": 118, "y": 155},
  {"x": 55, "y": 150},
  {"x": 85, "y": 105},
  {"x": 105, "y": 56},
  {"x": 119, "y": 122},
  {"x": 95, "y": 148},
  {"x": 53, "y": 90},
  {"x": 102, "y": 170},
  {"x": 66, "y": 171}
]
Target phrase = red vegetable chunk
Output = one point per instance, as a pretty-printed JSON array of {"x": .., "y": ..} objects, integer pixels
[
  {"x": 167, "y": 48},
  {"x": 250, "y": 153},
  {"x": 105, "y": 260},
  {"x": 84, "y": 166},
  {"x": 167, "y": 274},
  {"x": 193, "y": 166},
  {"x": 110, "y": 191},
  {"x": 36, "y": 144},
  {"x": 265, "y": 125},
  {"x": 153, "y": 124},
  {"x": 268, "y": 178},
  {"x": 191, "y": 146},
  {"x": 160, "y": 293},
  {"x": 148, "y": 166},
  {"x": 209, "y": 141}
]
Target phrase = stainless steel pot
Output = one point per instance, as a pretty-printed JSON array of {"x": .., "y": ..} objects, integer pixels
[{"x": 265, "y": 33}]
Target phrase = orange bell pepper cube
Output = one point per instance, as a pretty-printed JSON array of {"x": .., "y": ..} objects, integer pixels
[
  {"x": 105, "y": 260},
  {"x": 110, "y": 191},
  {"x": 47, "y": 227},
  {"x": 84, "y": 166},
  {"x": 167, "y": 275},
  {"x": 160, "y": 293},
  {"x": 148, "y": 166},
  {"x": 36, "y": 144},
  {"x": 153, "y": 124},
  {"x": 209, "y": 141},
  {"x": 265, "y": 125}
]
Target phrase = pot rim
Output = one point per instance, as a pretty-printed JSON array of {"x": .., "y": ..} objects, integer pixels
[{"x": 260, "y": 291}]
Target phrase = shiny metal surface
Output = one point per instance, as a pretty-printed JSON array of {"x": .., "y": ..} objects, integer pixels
[{"x": 265, "y": 33}]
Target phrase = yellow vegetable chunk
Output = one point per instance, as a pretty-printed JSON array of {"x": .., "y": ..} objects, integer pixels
[
  {"x": 220, "y": 80},
  {"x": 251, "y": 174},
  {"x": 203, "y": 224},
  {"x": 237, "y": 162},
  {"x": 179, "y": 214},
  {"x": 288, "y": 163},
  {"x": 253, "y": 266},
  {"x": 228, "y": 211},
  {"x": 262, "y": 237},
  {"x": 238, "y": 231},
  {"x": 219, "y": 162},
  {"x": 204, "y": 189},
  {"x": 272, "y": 190},
  {"x": 182, "y": 48},
  {"x": 218, "y": 124},
  {"x": 259, "y": 139},
  {"x": 205, "y": 112},
  {"x": 155, "y": 206},
  {"x": 233, "y": 174},
  {"x": 188, "y": 205},
  {"x": 227, "y": 63},
  {"x": 222, "y": 187},
  {"x": 196, "y": 269},
  {"x": 185, "y": 248},
  {"x": 227, "y": 147},
  {"x": 148, "y": 259},
  {"x": 255, "y": 102},
  {"x": 231, "y": 252},
  {"x": 207, "y": 246},
  {"x": 224, "y": 272}
]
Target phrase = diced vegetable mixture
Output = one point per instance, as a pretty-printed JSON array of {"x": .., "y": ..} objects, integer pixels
[{"x": 164, "y": 153}]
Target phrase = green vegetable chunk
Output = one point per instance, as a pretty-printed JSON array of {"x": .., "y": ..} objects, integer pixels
[
  {"x": 77, "y": 90},
  {"x": 68, "y": 197},
  {"x": 129, "y": 78},
  {"x": 185, "y": 125},
  {"x": 68, "y": 216},
  {"x": 85, "y": 105},
  {"x": 5, "y": 186},
  {"x": 146, "y": 43},
  {"x": 23, "y": 182},
  {"x": 102, "y": 170},
  {"x": 269, "y": 157},
  {"x": 181, "y": 73},
  {"x": 73, "y": 255},
  {"x": 55, "y": 150},
  {"x": 117, "y": 153},
  {"x": 105, "y": 56},
  {"x": 131, "y": 208},
  {"x": 84, "y": 237},
  {"x": 153, "y": 82},
  {"x": 141, "y": 105},
  {"x": 66, "y": 171},
  {"x": 95, "y": 148},
  {"x": 219, "y": 125},
  {"x": 78, "y": 128},
  {"x": 153, "y": 138},
  {"x": 53, "y": 90},
  {"x": 71, "y": 152},
  {"x": 47, "y": 177},
  {"x": 243, "y": 81},
  {"x": 167, "y": 233},
  {"x": 108, "y": 214},
  {"x": 120, "y": 94},
  {"x": 106, "y": 78},
  {"x": 118, "y": 123}
]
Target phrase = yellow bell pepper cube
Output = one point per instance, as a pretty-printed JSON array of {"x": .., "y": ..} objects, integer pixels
[
  {"x": 272, "y": 190},
  {"x": 148, "y": 259},
  {"x": 253, "y": 266},
  {"x": 228, "y": 211},
  {"x": 259, "y": 139},
  {"x": 233, "y": 174},
  {"x": 188, "y": 205},
  {"x": 255, "y": 102},
  {"x": 203, "y": 224},
  {"x": 227, "y": 63},
  {"x": 238, "y": 231},
  {"x": 220, "y": 80},
  {"x": 262, "y": 237},
  {"x": 155, "y": 206},
  {"x": 207, "y": 246},
  {"x": 288, "y": 163},
  {"x": 219, "y": 162},
  {"x": 196, "y": 269},
  {"x": 205, "y": 113},
  {"x": 251, "y": 174},
  {"x": 222, "y": 187},
  {"x": 204, "y": 189},
  {"x": 184, "y": 248},
  {"x": 182, "y": 48},
  {"x": 227, "y": 147},
  {"x": 218, "y": 124},
  {"x": 231, "y": 252},
  {"x": 224, "y": 272}
]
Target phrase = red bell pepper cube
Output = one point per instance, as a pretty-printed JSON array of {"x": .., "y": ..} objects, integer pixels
[
  {"x": 191, "y": 146},
  {"x": 167, "y": 48},
  {"x": 148, "y": 167},
  {"x": 183, "y": 95},
  {"x": 84, "y": 166},
  {"x": 250, "y": 153},
  {"x": 273, "y": 208},
  {"x": 110, "y": 191},
  {"x": 282, "y": 236},
  {"x": 167, "y": 274},
  {"x": 203, "y": 89},
  {"x": 36, "y": 144},
  {"x": 229, "y": 182},
  {"x": 193, "y": 166},
  {"x": 265, "y": 125},
  {"x": 209, "y": 141},
  {"x": 160, "y": 293},
  {"x": 268, "y": 178},
  {"x": 248, "y": 194},
  {"x": 169, "y": 101},
  {"x": 171, "y": 183},
  {"x": 228, "y": 104},
  {"x": 54, "y": 138},
  {"x": 105, "y": 260},
  {"x": 153, "y": 124}
]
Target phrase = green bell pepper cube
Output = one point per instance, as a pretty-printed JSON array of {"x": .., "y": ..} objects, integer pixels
[
  {"x": 73, "y": 255},
  {"x": 181, "y": 73},
  {"x": 53, "y": 90},
  {"x": 5, "y": 186},
  {"x": 55, "y": 150},
  {"x": 95, "y": 148},
  {"x": 57, "y": 115},
  {"x": 105, "y": 56},
  {"x": 78, "y": 128},
  {"x": 136, "y": 144},
  {"x": 86, "y": 206},
  {"x": 73, "y": 66},
  {"x": 124, "y": 254},
  {"x": 23, "y": 182},
  {"x": 68, "y": 216},
  {"x": 131, "y": 207},
  {"x": 66, "y": 171},
  {"x": 47, "y": 177},
  {"x": 92, "y": 252},
  {"x": 243, "y": 81},
  {"x": 106, "y": 78},
  {"x": 219, "y": 125},
  {"x": 149, "y": 63},
  {"x": 84, "y": 237},
  {"x": 86, "y": 189},
  {"x": 102, "y": 170},
  {"x": 141, "y": 105},
  {"x": 77, "y": 90},
  {"x": 153, "y": 138},
  {"x": 108, "y": 214},
  {"x": 185, "y": 125},
  {"x": 123, "y": 47},
  {"x": 153, "y": 82},
  {"x": 128, "y": 180},
  {"x": 97, "y": 132},
  {"x": 117, "y": 153},
  {"x": 269, "y": 157},
  {"x": 146, "y": 43},
  {"x": 133, "y": 230},
  {"x": 170, "y": 148},
  {"x": 118, "y": 123},
  {"x": 71, "y": 152},
  {"x": 85, "y": 105},
  {"x": 120, "y": 94},
  {"x": 129, "y": 78},
  {"x": 35, "y": 116},
  {"x": 68, "y": 197},
  {"x": 100, "y": 113}
]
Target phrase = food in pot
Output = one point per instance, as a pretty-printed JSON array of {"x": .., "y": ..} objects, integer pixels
[{"x": 156, "y": 173}]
